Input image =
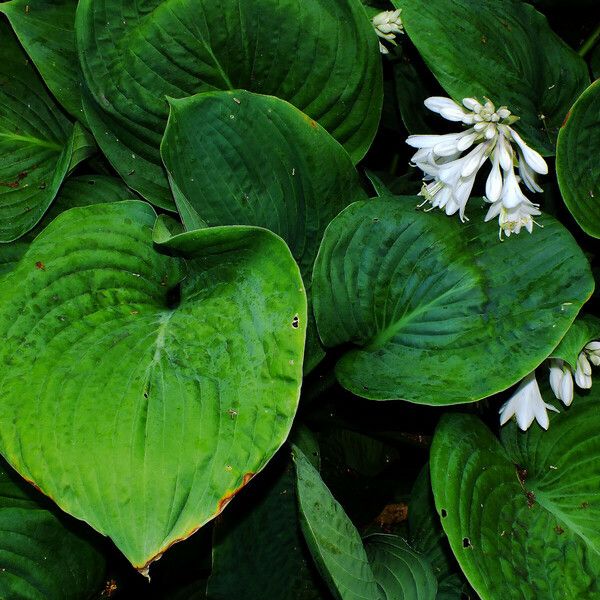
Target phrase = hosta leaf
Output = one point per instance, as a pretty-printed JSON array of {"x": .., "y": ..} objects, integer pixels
[
  {"x": 320, "y": 55},
  {"x": 522, "y": 516},
  {"x": 243, "y": 158},
  {"x": 42, "y": 552},
  {"x": 501, "y": 49},
  {"x": 584, "y": 329},
  {"x": 429, "y": 303},
  {"x": 577, "y": 160},
  {"x": 76, "y": 191},
  {"x": 334, "y": 542},
  {"x": 258, "y": 547},
  {"x": 401, "y": 572},
  {"x": 46, "y": 28},
  {"x": 140, "y": 391},
  {"x": 36, "y": 142}
]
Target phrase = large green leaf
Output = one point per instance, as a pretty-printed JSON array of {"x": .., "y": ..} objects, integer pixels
[
  {"x": 141, "y": 391},
  {"x": 43, "y": 554},
  {"x": 76, "y": 191},
  {"x": 522, "y": 517},
  {"x": 241, "y": 158},
  {"x": 501, "y": 49},
  {"x": 577, "y": 160},
  {"x": 36, "y": 142},
  {"x": 334, "y": 542},
  {"x": 46, "y": 28},
  {"x": 320, "y": 55},
  {"x": 258, "y": 548},
  {"x": 430, "y": 303}
]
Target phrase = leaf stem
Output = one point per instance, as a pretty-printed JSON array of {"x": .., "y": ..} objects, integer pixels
[{"x": 590, "y": 42}]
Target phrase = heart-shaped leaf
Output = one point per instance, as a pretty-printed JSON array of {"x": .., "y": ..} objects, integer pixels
[
  {"x": 42, "y": 552},
  {"x": 430, "y": 303},
  {"x": 577, "y": 160},
  {"x": 140, "y": 391},
  {"x": 238, "y": 158},
  {"x": 36, "y": 142},
  {"x": 522, "y": 517},
  {"x": 46, "y": 28},
  {"x": 320, "y": 55},
  {"x": 503, "y": 50}
]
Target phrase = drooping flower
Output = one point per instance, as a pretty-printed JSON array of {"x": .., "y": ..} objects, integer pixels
[
  {"x": 561, "y": 373},
  {"x": 527, "y": 404},
  {"x": 387, "y": 24},
  {"x": 450, "y": 174}
]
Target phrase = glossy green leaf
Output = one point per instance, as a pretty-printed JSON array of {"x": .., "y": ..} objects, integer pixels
[
  {"x": 577, "y": 162},
  {"x": 334, "y": 542},
  {"x": 238, "y": 158},
  {"x": 258, "y": 548},
  {"x": 501, "y": 49},
  {"x": 429, "y": 302},
  {"x": 36, "y": 142},
  {"x": 401, "y": 572},
  {"x": 584, "y": 329},
  {"x": 148, "y": 388},
  {"x": 43, "y": 554},
  {"x": 46, "y": 28},
  {"x": 76, "y": 191},
  {"x": 320, "y": 55},
  {"x": 522, "y": 517}
]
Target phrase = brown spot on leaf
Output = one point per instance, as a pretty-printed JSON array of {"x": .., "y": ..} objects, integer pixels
[
  {"x": 559, "y": 530},
  {"x": 521, "y": 474},
  {"x": 530, "y": 499},
  {"x": 225, "y": 500},
  {"x": 566, "y": 119},
  {"x": 40, "y": 265}
]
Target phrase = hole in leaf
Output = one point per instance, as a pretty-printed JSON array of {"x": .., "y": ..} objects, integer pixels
[
  {"x": 174, "y": 296},
  {"x": 444, "y": 513},
  {"x": 467, "y": 543},
  {"x": 295, "y": 322}
]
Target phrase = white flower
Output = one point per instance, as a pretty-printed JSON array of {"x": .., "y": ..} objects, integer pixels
[
  {"x": 561, "y": 373},
  {"x": 527, "y": 404},
  {"x": 387, "y": 24},
  {"x": 450, "y": 175}
]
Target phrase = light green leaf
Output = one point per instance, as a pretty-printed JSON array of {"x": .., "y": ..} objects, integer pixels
[
  {"x": 141, "y": 391},
  {"x": 401, "y": 572},
  {"x": 334, "y": 542},
  {"x": 320, "y": 55},
  {"x": 430, "y": 303},
  {"x": 46, "y": 28},
  {"x": 522, "y": 517},
  {"x": 258, "y": 549},
  {"x": 36, "y": 142},
  {"x": 584, "y": 329},
  {"x": 76, "y": 191},
  {"x": 42, "y": 552},
  {"x": 577, "y": 161},
  {"x": 501, "y": 49}
]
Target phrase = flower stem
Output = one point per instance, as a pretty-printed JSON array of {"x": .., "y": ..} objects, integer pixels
[{"x": 590, "y": 42}]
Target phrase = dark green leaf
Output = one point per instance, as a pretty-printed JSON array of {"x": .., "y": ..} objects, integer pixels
[{"x": 429, "y": 303}]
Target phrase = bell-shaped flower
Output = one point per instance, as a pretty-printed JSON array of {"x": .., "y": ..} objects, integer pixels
[{"x": 527, "y": 405}]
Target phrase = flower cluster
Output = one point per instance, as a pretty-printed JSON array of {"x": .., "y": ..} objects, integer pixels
[
  {"x": 527, "y": 404},
  {"x": 561, "y": 373},
  {"x": 450, "y": 174},
  {"x": 387, "y": 24}
]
